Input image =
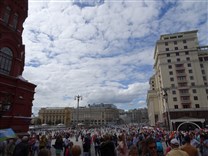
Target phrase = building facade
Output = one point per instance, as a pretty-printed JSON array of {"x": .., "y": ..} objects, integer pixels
[
  {"x": 138, "y": 116},
  {"x": 178, "y": 95},
  {"x": 16, "y": 93},
  {"x": 96, "y": 114},
  {"x": 55, "y": 115}
]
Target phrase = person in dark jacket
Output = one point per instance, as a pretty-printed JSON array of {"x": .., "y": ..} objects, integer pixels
[
  {"x": 22, "y": 149},
  {"x": 59, "y": 145},
  {"x": 87, "y": 145},
  {"x": 107, "y": 147}
]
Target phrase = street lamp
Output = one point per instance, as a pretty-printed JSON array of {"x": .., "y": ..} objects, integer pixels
[
  {"x": 165, "y": 96},
  {"x": 78, "y": 97}
]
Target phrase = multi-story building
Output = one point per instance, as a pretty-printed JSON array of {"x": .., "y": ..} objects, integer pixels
[
  {"x": 138, "y": 116},
  {"x": 16, "y": 93},
  {"x": 178, "y": 96},
  {"x": 96, "y": 114},
  {"x": 55, "y": 115}
]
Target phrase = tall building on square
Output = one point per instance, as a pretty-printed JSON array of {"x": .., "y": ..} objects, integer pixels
[
  {"x": 16, "y": 93},
  {"x": 178, "y": 95}
]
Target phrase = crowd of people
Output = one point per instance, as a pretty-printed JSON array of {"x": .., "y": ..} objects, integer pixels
[{"x": 122, "y": 140}]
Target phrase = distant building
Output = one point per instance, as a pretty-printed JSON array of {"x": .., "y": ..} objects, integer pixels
[
  {"x": 178, "y": 95},
  {"x": 138, "y": 116},
  {"x": 16, "y": 93},
  {"x": 96, "y": 114},
  {"x": 55, "y": 115}
]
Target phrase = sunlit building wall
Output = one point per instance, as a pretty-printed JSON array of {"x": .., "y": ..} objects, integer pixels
[
  {"x": 181, "y": 69},
  {"x": 55, "y": 115}
]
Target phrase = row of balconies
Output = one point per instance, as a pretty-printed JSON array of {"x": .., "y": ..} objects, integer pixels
[{"x": 188, "y": 109}]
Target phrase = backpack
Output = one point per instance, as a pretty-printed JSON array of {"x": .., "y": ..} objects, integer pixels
[{"x": 159, "y": 146}]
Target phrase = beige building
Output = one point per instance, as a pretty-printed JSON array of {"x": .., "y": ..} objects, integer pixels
[
  {"x": 55, "y": 115},
  {"x": 96, "y": 114},
  {"x": 178, "y": 95}
]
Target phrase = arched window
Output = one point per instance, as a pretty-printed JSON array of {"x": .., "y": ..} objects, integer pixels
[
  {"x": 5, "y": 60},
  {"x": 7, "y": 14}
]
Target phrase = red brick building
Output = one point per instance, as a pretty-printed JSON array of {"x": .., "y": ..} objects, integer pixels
[{"x": 16, "y": 93}]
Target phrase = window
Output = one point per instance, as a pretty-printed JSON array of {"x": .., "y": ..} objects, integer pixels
[
  {"x": 166, "y": 43},
  {"x": 170, "y": 66},
  {"x": 168, "y": 55},
  {"x": 184, "y": 41},
  {"x": 204, "y": 78},
  {"x": 175, "y": 42},
  {"x": 176, "y": 106},
  {"x": 195, "y": 97},
  {"x": 188, "y": 59},
  {"x": 6, "y": 15},
  {"x": 191, "y": 78},
  {"x": 170, "y": 73},
  {"x": 194, "y": 90},
  {"x": 197, "y": 105},
  {"x": 181, "y": 78},
  {"x": 185, "y": 106},
  {"x": 171, "y": 79},
  {"x": 175, "y": 99},
  {"x": 201, "y": 65},
  {"x": 192, "y": 84},
  {"x": 172, "y": 85},
  {"x": 185, "y": 98},
  {"x": 203, "y": 72},
  {"x": 184, "y": 91},
  {"x": 167, "y": 49},
  {"x": 5, "y": 60},
  {"x": 200, "y": 59},
  {"x": 176, "y": 48},
  {"x": 185, "y": 47},
  {"x": 15, "y": 20},
  {"x": 207, "y": 91},
  {"x": 173, "y": 92},
  {"x": 205, "y": 58},
  {"x": 169, "y": 60},
  {"x": 190, "y": 71},
  {"x": 189, "y": 64},
  {"x": 178, "y": 59},
  {"x": 186, "y": 53},
  {"x": 177, "y": 54}
]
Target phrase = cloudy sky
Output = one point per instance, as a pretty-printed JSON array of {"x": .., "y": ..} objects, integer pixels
[{"x": 101, "y": 49}]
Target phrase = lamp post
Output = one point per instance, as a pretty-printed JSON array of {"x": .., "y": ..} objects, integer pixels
[
  {"x": 78, "y": 97},
  {"x": 165, "y": 96}
]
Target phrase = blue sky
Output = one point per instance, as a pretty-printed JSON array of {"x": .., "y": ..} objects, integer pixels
[{"x": 102, "y": 50}]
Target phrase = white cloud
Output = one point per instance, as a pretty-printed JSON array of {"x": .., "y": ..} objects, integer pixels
[{"x": 102, "y": 52}]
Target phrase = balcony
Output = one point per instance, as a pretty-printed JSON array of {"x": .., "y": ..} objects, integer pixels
[
  {"x": 185, "y": 101},
  {"x": 183, "y": 86},
  {"x": 181, "y": 80},
  {"x": 184, "y": 94},
  {"x": 181, "y": 73},
  {"x": 188, "y": 109},
  {"x": 179, "y": 67}
]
